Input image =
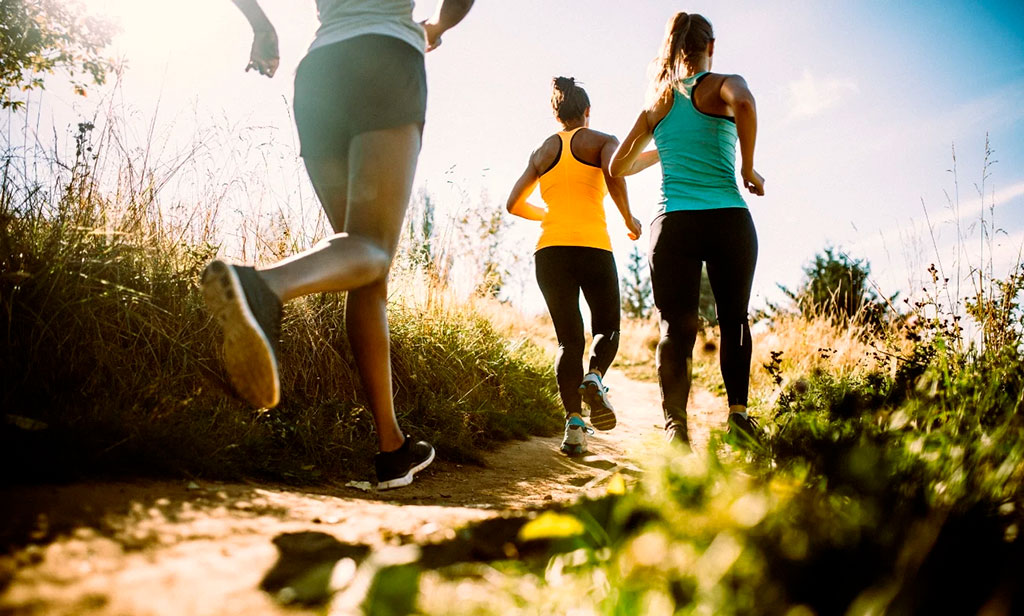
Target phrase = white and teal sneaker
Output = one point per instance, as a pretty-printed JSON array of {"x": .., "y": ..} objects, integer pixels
[{"x": 575, "y": 441}]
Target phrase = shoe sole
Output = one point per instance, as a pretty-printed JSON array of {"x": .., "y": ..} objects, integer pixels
[
  {"x": 248, "y": 354},
  {"x": 602, "y": 416},
  {"x": 406, "y": 479},
  {"x": 573, "y": 450}
]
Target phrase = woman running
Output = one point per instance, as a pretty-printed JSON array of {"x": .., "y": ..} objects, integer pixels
[
  {"x": 695, "y": 118},
  {"x": 360, "y": 100},
  {"x": 574, "y": 253}
]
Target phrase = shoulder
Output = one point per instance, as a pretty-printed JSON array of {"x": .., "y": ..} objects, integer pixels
[
  {"x": 547, "y": 152},
  {"x": 660, "y": 107},
  {"x": 733, "y": 87},
  {"x": 734, "y": 82},
  {"x": 598, "y": 137}
]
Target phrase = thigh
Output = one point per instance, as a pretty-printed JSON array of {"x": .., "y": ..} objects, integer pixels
[
  {"x": 329, "y": 177},
  {"x": 731, "y": 264},
  {"x": 600, "y": 286},
  {"x": 381, "y": 166},
  {"x": 675, "y": 265},
  {"x": 561, "y": 293}
]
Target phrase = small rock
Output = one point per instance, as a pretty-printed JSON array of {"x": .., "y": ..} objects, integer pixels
[
  {"x": 360, "y": 485},
  {"x": 192, "y": 486},
  {"x": 548, "y": 497}
]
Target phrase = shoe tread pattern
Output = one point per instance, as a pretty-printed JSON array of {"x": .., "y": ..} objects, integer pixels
[{"x": 248, "y": 354}]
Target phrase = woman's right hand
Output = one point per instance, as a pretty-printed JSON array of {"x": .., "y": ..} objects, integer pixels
[
  {"x": 264, "y": 57},
  {"x": 635, "y": 228},
  {"x": 753, "y": 181},
  {"x": 432, "y": 31}
]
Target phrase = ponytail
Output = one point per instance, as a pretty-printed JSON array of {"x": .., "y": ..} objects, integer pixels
[{"x": 686, "y": 39}]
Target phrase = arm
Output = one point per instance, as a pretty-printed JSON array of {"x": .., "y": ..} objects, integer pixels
[
  {"x": 446, "y": 16},
  {"x": 737, "y": 96},
  {"x": 263, "y": 57},
  {"x": 523, "y": 188},
  {"x": 625, "y": 158},
  {"x": 643, "y": 161},
  {"x": 617, "y": 189}
]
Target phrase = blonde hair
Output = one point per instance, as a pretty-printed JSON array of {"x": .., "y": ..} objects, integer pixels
[{"x": 686, "y": 40}]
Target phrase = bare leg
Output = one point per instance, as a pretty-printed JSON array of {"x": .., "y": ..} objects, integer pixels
[
  {"x": 365, "y": 198},
  {"x": 340, "y": 262}
]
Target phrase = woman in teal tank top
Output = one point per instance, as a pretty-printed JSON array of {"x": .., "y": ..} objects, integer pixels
[{"x": 696, "y": 117}]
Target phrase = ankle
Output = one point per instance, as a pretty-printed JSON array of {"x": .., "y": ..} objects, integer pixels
[
  {"x": 738, "y": 408},
  {"x": 274, "y": 283},
  {"x": 392, "y": 444}
]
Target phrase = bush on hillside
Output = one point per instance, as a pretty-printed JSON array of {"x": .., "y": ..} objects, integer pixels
[
  {"x": 837, "y": 287},
  {"x": 108, "y": 361}
]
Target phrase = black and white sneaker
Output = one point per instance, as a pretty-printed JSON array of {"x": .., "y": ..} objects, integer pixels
[
  {"x": 595, "y": 394},
  {"x": 396, "y": 468},
  {"x": 250, "y": 315}
]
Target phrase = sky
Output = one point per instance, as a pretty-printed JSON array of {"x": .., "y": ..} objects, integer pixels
[{"x": 861, "y": 106}]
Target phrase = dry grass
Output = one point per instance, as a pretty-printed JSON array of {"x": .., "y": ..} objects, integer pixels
[
  {"x": 638, "y": 339},
  {"x": 109, "y": 363}
]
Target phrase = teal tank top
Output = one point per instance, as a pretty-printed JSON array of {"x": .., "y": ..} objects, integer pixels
[{"x": 698, "y": 156}]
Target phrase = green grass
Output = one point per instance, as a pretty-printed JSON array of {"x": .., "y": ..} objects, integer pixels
[{"x": 893, "y": 489}]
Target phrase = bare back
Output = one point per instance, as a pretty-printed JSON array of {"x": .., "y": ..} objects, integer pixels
[
  {"x": 707, "y": 97},
  {"x": 586, "y": 144}
]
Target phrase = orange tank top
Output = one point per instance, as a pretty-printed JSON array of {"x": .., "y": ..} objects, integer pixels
[{"x": 574, "y": 193}]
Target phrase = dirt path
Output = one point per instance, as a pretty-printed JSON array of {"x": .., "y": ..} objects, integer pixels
[{"x": 179, "y": 547}]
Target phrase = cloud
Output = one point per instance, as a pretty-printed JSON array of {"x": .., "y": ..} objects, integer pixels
[{"x": 810, "y": 95}]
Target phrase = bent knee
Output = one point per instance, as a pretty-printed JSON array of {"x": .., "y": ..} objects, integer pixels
[{"x": 375, "y": 260}]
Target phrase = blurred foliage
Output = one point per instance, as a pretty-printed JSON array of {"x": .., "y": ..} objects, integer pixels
[
  {"x": 637, "y": 297},
  {"x": 39, "y": 37},
  {"x": 837, "y": 286},
  {"x": 896, "y": 489}
]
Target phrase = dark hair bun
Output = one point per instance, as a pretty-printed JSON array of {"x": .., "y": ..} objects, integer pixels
[
  {"x": 569, "y": 100},
  {"x": 564, "y": 84}
]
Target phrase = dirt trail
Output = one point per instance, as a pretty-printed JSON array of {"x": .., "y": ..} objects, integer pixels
[{"x": 180, "y": 547}]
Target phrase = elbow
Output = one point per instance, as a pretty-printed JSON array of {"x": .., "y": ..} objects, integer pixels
[
  {"x": 510, "y": 206},
  {"x": 616, "y": 169},
  {"x": 745, "y": 107}
]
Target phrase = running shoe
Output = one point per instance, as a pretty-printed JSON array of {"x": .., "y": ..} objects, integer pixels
[
  {"x": 743, "y": 431},
  {"x": 595, "y": 394},
  {"x": 250, "y": 315},
  {"x": 575, "y": 441},
  {"x": 396, "y": 468},
  {"x": 677, "y": 434}
]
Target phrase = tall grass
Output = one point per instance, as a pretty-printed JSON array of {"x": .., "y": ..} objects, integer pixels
[
  {"x": 889, "y": 480},
  {"x": 109, "y": 363}
]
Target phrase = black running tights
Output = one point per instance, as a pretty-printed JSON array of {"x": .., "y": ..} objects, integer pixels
[
  {"x": 680, "y": 243},
  {"x": 562, "y": 272}
]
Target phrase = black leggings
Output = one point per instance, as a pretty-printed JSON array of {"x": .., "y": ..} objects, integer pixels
[
  {"x": 680, "y": 242},
  {"x": 562, "y": 272}
]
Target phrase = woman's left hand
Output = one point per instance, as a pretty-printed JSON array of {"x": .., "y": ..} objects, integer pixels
[
  {"x": 753, "y": 181},
  {"x": 264, "y": 57}
]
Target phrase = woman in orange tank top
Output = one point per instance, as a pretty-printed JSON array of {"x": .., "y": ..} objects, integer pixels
[{"x": 574, "y": 253}]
